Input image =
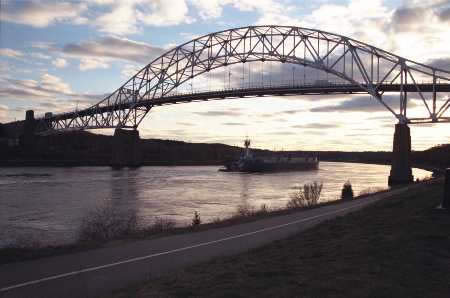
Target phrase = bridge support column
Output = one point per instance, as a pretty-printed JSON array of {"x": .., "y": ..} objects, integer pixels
[
  {"x": 28, "y": 137},
  {"x": 401, "y": 172},
  {"x": 126, "y": 151}
]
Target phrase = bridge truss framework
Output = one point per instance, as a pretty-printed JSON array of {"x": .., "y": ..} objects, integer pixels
[{"x": 367, "y": 69}]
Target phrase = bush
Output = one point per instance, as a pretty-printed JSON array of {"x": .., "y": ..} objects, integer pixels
[
  {"x": 196, "y": 220},
  {"x": 216, "y": 220},
  {"x": 263, "y": 209},
  {"x": 305, "y": 196},
  {"x": 347, "y": 191},
  {"x": 244, "y": 210},
  {"x": 160, "y": 225},
  {"x": 107, "y": 223}
]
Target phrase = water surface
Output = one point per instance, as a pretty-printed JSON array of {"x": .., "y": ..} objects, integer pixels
[{"x": 49, "y": 203}]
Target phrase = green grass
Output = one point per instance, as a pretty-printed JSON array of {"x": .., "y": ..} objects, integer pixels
[{"x": 398, "y": 247}]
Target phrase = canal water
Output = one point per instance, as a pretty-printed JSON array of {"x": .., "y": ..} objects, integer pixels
[{"x": 49, "y": 204}]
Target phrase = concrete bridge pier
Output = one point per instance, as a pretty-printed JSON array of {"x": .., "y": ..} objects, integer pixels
[
  {"x": 126, "y": 151},
  {"x": 401, "y": 172},
  {"x": 29, "y": 127}
]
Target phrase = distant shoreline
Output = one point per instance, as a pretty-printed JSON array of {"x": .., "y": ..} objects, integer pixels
[
  {"x": 74, "y": 163},
  {"x": 79, "y": 149}
]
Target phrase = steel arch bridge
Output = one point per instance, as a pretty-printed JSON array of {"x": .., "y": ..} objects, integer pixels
[{"x": 365, "y": 68}]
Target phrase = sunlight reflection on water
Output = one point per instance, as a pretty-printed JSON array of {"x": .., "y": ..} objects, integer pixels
[{"x": 49, "y": 203}]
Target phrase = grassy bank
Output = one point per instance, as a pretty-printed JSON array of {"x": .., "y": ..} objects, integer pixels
[{"x": 398, "y": 247}]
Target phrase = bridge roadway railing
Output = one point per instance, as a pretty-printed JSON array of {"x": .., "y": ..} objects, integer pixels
[
  {"x": 280, "y": 90},
  {"x": 256, "y": 90}
]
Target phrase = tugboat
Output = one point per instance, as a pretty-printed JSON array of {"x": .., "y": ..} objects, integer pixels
[{"x": 248, "y": 163}]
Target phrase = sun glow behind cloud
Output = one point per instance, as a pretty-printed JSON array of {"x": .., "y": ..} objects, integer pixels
[{"x": 75, "y": 53}]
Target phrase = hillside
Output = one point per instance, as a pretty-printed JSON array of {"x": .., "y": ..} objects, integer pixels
[{"x": 85, "y": 148}]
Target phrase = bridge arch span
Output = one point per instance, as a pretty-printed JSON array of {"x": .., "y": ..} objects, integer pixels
[{"x": 365, "y": 67}]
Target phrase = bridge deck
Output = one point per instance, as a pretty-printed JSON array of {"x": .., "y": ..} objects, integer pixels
[{"x": 252, "y": 92}]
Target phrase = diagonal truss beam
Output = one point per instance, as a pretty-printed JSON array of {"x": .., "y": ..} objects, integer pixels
[{"x": 343, "y": 57}]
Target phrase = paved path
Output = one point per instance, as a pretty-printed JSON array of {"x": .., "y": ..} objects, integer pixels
[{"x": 97, "y": 272}]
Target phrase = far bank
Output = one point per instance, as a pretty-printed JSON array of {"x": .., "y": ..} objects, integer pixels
[{"x": 87, "y": 149}]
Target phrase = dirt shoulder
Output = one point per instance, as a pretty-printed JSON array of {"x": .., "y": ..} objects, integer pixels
[{"x": 399, "y": 247}]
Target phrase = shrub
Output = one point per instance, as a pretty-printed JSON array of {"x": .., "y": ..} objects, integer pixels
[
  {"x": 305, "y": 196},
  {"x": 216, "y": 220},
  {"x": 160, "y": 225},
  {"x": 196, "y": 220},
  {"x": 347, "y": 191},
  {"x": 107, "y": 223},
  {"x": 244, "y": 210},
  {"x": 263, "y": 209}
]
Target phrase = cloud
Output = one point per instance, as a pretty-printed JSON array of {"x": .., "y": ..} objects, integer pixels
[
  {"x": 281, "y": 113},
  {"x": 282, "y": 133},
  {"x": 101, "y": 2},
  {"x": 3, "y": 113},
  {"x": 120, "y": 20},
  {"x": 189, "y": 35},
  {"x": 40, "y": 13},
  {"x": 209, "y": 9},
  {"x": 376, "y": 23},
  {"x": 48, "y": 86},
  {"x": 363, "y": 103},
  {"x": 362, "y": 135},
  {"x": 55, "y": 84},
  {"x": 432, "y": 3},
  {"x": 114, "y": 48},
  {"x": 100, "y": 53},
  {"x": 130, "y": 70},
  {"x": 316, "y": 125},
  {"x": 89, "y": 63},
  {"x": 59, "y": 62},
  {"x": 290, "y": 112},
  {"x": 40, "y": 56},
  {"x": 407, "y": 18},
  {"x": 218, "y": 113},
  {"x": 164, "y": 13},
  {"x": 420, "y": 15},
  {"x": 43, "y": 45},
  {"x": 128, "y": 17},
  {"x": 186, "y": 123},
  {"x": 10, "y": 53},
  {"x": 445, "y": 15},
  {"x": 233, "y": 124},
  {"x": 109, "y": 16},
  {"x": 386, "y": 118},
  {"x": 420, "y": 29},
  {"x": 353, "y": 18},
  {"x": 48, "y": 92},
  {"x": 442, "y": 63}
]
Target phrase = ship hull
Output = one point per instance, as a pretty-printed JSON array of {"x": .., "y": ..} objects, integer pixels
[{"x": 258, "y": 166}]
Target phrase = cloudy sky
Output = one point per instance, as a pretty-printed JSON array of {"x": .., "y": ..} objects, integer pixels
[{"x": 62, "y": 55}]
